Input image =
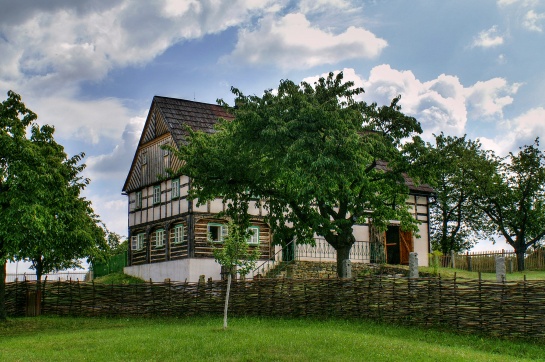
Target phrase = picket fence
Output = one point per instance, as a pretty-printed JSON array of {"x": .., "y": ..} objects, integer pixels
[{"x": 508, "y": 309}]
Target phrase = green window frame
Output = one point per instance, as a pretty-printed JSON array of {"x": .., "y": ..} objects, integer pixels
[
  {"x": 175, "y": 189},
  {"x": 156, "y": 194},
  {"x": 216, "y": 232},
  {"x": 137, "y": 241},
  {"x": 253, "y": 239},
  {"x": 159, "y": 238},
  {"x": 138, "y": 200},
  {"x": 178, "y": 234}
]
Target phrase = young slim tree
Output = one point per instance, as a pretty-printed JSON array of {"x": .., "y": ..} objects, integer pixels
[
  {"x": 311, "y": 153},
  {"x": 236, "y": 257}
]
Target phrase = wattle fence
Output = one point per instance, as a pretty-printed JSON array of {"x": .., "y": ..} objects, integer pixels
[{"x": 506, "y": 309}]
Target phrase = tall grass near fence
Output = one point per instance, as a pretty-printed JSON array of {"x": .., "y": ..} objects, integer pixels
[{"x": 500, "y": 309}]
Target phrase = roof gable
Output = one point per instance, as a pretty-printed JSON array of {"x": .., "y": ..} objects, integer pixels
[{"x": 172, "y": 115}]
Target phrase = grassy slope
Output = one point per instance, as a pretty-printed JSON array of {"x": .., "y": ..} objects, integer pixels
[{"x": 252, "y": 339}]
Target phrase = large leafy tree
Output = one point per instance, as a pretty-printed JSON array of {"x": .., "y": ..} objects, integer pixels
[
  {"x": 314, "y": 154},
  {"x": 448, "y": 165},
  {"x": 43, "y": 218},
  {"x": 512, "y": 194}
]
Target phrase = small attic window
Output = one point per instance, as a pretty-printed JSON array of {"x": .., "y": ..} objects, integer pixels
[{"x": 144, "y": 158}]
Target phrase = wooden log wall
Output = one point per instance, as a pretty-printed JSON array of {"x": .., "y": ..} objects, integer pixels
[
  {"x": 509, "y": 309},
  {"x": 204, "y": 249}
]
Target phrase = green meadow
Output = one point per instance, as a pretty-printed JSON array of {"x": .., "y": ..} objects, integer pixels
[{"x": 246, "y": 339}]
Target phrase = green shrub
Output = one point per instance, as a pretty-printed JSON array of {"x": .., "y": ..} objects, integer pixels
[{"x": 119, "y": 278}]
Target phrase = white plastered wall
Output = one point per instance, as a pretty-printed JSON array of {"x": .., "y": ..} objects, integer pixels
[{"x": 177, "y": 270}]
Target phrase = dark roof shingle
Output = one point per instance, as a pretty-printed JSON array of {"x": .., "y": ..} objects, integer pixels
[{"x": 179, "y": 113}]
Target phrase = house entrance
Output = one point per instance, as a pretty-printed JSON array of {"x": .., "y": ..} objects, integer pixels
[{"x": 398, "y": 245}]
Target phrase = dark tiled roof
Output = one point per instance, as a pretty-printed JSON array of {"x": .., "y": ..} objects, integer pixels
[
  {"x": 179, "y": 113},
  {"x": 423, "y": 188}
]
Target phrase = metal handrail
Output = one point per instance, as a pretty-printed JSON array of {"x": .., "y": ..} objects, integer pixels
[{"x": 270, "y": 264}]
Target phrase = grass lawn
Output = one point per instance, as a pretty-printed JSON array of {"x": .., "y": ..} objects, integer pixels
[{"x": 246, "y": 339}]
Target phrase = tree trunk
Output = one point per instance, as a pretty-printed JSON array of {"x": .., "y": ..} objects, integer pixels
[
  {"x": 3, "y": 314},
  {"x": 226, "y": 301},
  {"x": 343, "y": 254},
  {"x": 520, "y": 258}
]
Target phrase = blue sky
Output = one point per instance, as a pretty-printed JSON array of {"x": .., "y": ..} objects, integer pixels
[{"x": 91, "y": 68}]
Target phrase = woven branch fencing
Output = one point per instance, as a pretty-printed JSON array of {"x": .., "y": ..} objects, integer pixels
[{"x": 506, "y": 309}]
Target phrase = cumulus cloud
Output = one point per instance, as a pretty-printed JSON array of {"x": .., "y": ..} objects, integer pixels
[
  {"x": 519, "y": 2},
  {"x": 441, "y": 104},
  {"x": 529, "y": 125},
  {"x": 532, "y": 21},
  {"x": 488, "y": 38},
  {"x": 488, "y": 98},
  {"x": 438, "y": 104},
  {"x": 311, "y": 6},
  {"x": 85, "y": 120},
  {"x": 68, "y": 41},
  {"x": 111, "y": 208},
  {"x": 292, "y": 42},
  {"x": 522, "y": 130},
  {"x": 107, "y": 166}
]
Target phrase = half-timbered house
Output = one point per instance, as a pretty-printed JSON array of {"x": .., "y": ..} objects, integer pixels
[{"x": 170, "y": 235}]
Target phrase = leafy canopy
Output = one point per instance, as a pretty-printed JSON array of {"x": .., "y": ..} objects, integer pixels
[
  {"x": 448, "y": 166},
  {"x": 314, "y": 154},
  {"x": 511, "y": 192},
  {"x": 43, "y": 218}
]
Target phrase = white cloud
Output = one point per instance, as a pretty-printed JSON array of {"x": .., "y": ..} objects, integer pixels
[
  {"x": 112, "y": 210},
  {"x": 532, "y": 19},
  {"x": 310, "y": 6},
  {"x": 438, "y": 104},
  {"x": 522, "y": 130},
  {"x": 64, "y": 43},
  {"x": 441, "y": 104},
  {"x": 519, "y": 2},
  {"x": 292, "y": 42},
  {"x": 488, "y": 38},
  {"x": 529, "y": 125},
  {"x": 87, "y": 121},
  {"x": 48, "y": 50},
  {"x": 488, "y": 98},
  {"x": 107, "y": 166}
]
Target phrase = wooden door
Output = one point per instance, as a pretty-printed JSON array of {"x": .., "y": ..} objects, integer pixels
[{"x": 405, "y": 246}]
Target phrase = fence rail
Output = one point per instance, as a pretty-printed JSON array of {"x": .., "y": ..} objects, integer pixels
[
  {"x": 500, "y": 309},
  {"x": 12, "y": 277},
  {"x": 485, "y": 261}
]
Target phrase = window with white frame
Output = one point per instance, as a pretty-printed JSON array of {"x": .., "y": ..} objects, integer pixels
[
  {"x": 175, "y": 192},
  {"x": 157, "y": 194},
  {"x": 216, "y": 232},
  {"x": 159, "y": 238},
  {"x": 137, "y": 241},
  {"x": 253, "y": 239},
  {"x": 138, "y": 200},
  {"x": 177, "y": 234}
]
